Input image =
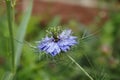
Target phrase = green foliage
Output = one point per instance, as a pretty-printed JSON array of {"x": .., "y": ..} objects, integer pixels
[{"x": 97, "y": 53}]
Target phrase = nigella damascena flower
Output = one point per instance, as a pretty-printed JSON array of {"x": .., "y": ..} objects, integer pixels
[{"x": 61, "y": 43}]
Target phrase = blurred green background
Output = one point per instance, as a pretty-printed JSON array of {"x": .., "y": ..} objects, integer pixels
[{"x": 98, "y": 51}]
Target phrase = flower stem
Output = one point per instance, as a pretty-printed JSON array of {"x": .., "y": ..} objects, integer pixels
[
  {"x": 80, "y": 67},
  {"x": 10, "y": 25}
]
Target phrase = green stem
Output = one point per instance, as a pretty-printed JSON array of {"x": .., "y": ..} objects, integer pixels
[
  {"x": 10, "y": 25},
  {"x": 80, "y": 67}
]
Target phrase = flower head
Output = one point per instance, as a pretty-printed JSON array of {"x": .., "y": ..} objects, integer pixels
[{"x": 57, "y": 43}]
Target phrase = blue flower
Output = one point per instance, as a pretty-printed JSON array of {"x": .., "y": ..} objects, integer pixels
[{"x": 55, "y": 45}]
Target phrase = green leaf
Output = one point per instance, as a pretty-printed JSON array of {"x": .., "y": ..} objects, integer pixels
[
  {"x": 8, "y": 76},
  {"x": 21, "y": 33}
]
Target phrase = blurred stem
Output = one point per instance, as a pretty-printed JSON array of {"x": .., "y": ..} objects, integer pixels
[
  {"x": 80, "y": 67},
  {"x": 13, "y": 3},
  {"x": 10, "y": 25}
]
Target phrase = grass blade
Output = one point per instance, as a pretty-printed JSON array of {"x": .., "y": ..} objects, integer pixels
[{"x": 21, "y": 33}]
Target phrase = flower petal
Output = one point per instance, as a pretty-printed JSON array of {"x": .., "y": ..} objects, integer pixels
[
  {"x": 53, "y": 49},
  {"x": 65, "y": 34},
  {"x": 65, "y": 48}
]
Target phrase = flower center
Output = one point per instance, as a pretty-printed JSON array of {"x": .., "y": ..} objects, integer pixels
[{"x": 56, "y": 39}]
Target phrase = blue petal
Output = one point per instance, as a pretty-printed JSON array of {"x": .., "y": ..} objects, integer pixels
[
  {"x": 44, "y": 43},
  {"x": 65, "y": 48},
  {"x": 72, "y": 37},
  {"x": 63, "y": 43},
  {"x": 53, "y": 49},
  {"x": 65, "y": 34},
  {"x": 67, "y": 42},
  {"x": 72, "y": 42},
  {"x": 55, "y": 52}
]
